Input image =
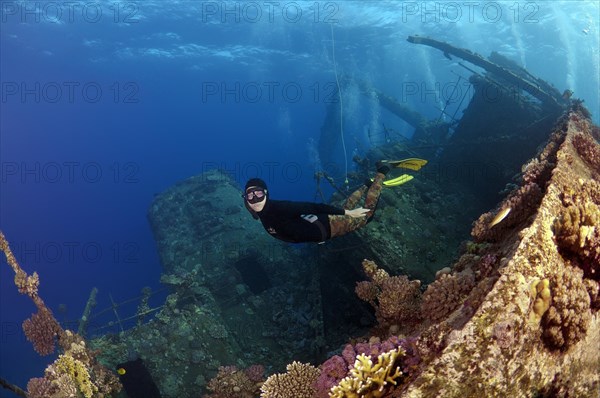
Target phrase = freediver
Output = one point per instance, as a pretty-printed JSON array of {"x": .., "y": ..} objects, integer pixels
[{"x": 298, "y": 222}]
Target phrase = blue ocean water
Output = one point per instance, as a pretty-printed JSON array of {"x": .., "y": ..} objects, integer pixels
[{"x": 104, "y": 104}]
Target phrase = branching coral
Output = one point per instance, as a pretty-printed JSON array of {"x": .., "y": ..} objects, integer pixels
[
  {"x": 76, "y": 372},
  {"x": 569, "y": 316},
  {"x": 445, "y": 294},
  {"x": 40, "y": 387},
  {"x": 41, "y": 330},
  {"x": 370, "y": 380},
  {"x": 395, "y": 298},
  {"x": 297, "y": 382}
]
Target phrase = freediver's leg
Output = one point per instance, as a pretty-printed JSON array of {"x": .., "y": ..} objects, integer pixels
[
  {"x": 353, "y": 199},
  {"x": 373, "y": 195}
]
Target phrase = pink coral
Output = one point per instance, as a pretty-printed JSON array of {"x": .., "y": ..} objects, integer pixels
[
  {"x": 588, "y": 149},
  {"x": 445, "y": 294},
  {"x": 332, "y": 371},
  {"x": 41, "y": 330},
  {"x": 255, "y": 373},
  {"x": 41, "y": 387},
  {"x": 336, "y": 368}
]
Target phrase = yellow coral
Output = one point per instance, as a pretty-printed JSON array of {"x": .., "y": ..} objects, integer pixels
[
  {"x": 540, "y": 291},
  {"x": 369, "y": 380},
  {"x": 68, "y": 366}
]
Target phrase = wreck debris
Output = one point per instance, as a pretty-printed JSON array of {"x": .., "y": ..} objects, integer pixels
[{"x": 548, "y": 95}]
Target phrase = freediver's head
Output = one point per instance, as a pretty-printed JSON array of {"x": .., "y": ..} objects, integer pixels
[{"x": 255, "y": 196}]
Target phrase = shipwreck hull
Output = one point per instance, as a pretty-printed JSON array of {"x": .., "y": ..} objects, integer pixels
[{"x": 523, "y": 340}]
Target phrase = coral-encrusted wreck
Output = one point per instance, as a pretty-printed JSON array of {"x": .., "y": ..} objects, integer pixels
[
  {"x": 535, "y": 329},
  {"x": 517, "y": 314}
]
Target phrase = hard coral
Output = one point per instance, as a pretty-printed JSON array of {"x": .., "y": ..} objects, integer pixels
[
  {"x": 27, "y": 284},
  {"x": 445, "y": 294},
  {"x": 395, "y": 298},
  {"x": 231, "y": 382},
  {"x": 297, "y": 382},
  {"x": 41, "y": 330},
  {"x": 75, "y": 370},
  {"x": 577, "y": 232},
  {"x": 540, "y": 292},
  {"x": 40, "y": 388},
  {"x": 370, "y": 380},
  {"x": 568, "y": 318},
  {"x": 588, "y": 149},
  {"x": 332, "y": 371}
]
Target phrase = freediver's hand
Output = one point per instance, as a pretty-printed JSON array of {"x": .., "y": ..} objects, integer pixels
[{"x": 357, "y": 213}]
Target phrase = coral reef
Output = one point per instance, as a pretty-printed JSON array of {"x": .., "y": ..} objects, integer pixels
[
  {"x": 230, "y": 382},
  {"x": 576, "y": 228},
  {"x": 368, "y": 379},
  {"x": 529, "y": 324},
  {"x": 336, "y": 368},
  {"x": 538, "y": 258},
  {"x": 588, "y": 149},
  {"x": 540, "y": 292},
  {"x": 396, "y": 299},
  {"x": 568, "y": 317},
  {"x": 445, "y": 294},
  {"x": 522, "y": 204},
  {"x": 332, "y": 371},
  {"x": 297, "y": 382},
  {"x": 41, "y": 331},
  {"x": 76, "y": 372}
]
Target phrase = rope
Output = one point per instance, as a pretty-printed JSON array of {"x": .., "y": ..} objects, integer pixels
[{"x": 341, "y": 108}]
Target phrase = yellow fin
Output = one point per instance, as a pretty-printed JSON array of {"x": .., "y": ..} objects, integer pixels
[
  {"x": 410, "y": 163},
  {"x": 404, "y": 178}
]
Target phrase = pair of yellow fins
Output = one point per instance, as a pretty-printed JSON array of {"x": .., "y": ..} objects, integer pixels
[{"x": 414, "y": 164}]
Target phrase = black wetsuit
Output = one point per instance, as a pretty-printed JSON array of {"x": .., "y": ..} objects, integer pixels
[{"x": 298, "y": 222}]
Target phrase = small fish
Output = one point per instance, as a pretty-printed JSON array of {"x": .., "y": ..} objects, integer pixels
[{"x": 500, "y": 216}]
